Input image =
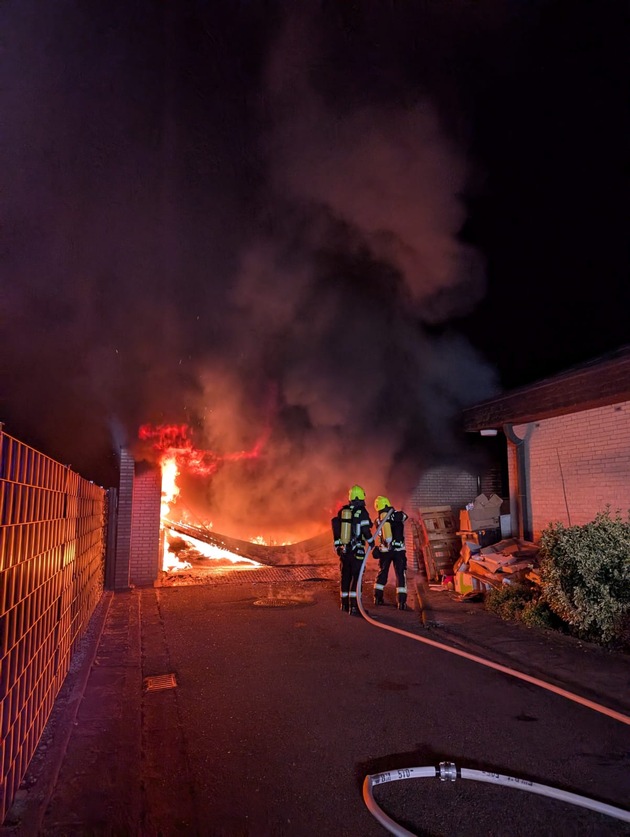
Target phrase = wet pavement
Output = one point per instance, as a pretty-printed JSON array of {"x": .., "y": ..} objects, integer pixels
[
  {"x": 592, "y": 671},
  {"x": 242, "y": 704}
]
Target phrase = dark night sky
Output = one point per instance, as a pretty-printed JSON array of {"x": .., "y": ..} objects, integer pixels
[{"x": 332, "y": 224}]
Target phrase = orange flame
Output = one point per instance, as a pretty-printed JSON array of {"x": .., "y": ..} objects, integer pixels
[
  {"x": 173, "y": 440},
  {"x": 170, "y": 489},
  {"x": 174, "y": 446}
]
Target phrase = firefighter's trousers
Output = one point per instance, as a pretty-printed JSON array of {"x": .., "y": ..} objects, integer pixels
[
  {"x": 397, "y": 557},
  {"x": 350, "y": 563}
]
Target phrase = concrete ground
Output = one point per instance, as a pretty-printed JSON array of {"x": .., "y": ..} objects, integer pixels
[
  {"x": 593, "y": 671},
  {"x": 247, "y": 704}
]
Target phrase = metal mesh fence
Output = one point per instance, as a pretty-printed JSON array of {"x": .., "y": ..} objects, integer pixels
[{"x": 52, "y": 525}]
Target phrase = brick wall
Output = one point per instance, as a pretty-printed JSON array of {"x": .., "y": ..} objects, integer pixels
[
  {"x": 578, "y": 463},
  {"x": 123, "y": 531},
  {"x": 145, "y": 531},
  {"x": 492, "y": 481},
  {"x": 138, "y": 552},
  {"x": 444, "y": 486}
]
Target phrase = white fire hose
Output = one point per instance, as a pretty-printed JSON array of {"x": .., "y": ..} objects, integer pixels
[{"x": 447, "y": 771}]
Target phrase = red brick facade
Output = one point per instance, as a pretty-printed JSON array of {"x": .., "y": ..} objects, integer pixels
[
  {"x": 144, "y": 563},
  {"x": 568, "y": 440},
  {"x": 578, "y": 464},
  {"x": 444, "y": 486},
  {"x": 123, "y": 531},
  {"x": 138, "y": 543}
]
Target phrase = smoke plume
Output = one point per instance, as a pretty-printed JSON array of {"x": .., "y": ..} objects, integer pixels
[{"x": 199, "y": 233}]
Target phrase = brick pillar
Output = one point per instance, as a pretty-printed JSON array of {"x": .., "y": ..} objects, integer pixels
[
  {"x": 144, "y": 562},
  {"x": 123, "y": 531}
]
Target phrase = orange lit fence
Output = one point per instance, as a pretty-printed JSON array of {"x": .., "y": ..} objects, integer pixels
[{"x": 51, "y": 578}]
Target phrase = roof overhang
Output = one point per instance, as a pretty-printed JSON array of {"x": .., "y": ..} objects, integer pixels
[{"x": 599, "y": 383}]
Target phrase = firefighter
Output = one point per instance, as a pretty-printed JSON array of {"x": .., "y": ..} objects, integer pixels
[
  {"x": 391, "y": 550},
  {"x": 352, "y": 529}
]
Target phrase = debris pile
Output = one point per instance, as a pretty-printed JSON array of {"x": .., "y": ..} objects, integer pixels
[
  {"x": 481, "y": 568},
  {"x": 483, "y": 513},
  {"x": 481, "y": 555}
]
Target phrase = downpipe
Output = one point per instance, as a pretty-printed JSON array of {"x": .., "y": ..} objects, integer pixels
[{"x": 447, "y": 771}]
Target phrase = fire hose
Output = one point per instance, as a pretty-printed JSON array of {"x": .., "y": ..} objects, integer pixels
[{"x": 447, "y": 771}]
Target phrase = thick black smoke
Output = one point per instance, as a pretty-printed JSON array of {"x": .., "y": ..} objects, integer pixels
[{"x": 200, "y": 226}]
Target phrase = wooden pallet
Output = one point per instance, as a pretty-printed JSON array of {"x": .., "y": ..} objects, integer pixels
[
  {"x": 414, "y": 540},
  {"x": 439, "y": 542}
]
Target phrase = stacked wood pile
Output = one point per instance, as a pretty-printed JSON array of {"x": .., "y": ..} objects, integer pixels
[{"x": 439, "y": 543}]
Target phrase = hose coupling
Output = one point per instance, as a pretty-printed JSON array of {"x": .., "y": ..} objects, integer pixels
[{"x": 448, "y": 771}]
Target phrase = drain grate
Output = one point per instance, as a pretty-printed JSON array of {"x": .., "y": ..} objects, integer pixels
[
  {"x": 159, "y": 682},
  {"x": 278, "y": 602},
  {"x": 249, "y": 575}
]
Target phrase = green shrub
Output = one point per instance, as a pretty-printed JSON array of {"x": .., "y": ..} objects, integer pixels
[
  {"x": 538, "y": 614},
  {"x": 509, "y": 600},
  {"x": 585, "y": 572},
  {"x": 523, "y": 602}
]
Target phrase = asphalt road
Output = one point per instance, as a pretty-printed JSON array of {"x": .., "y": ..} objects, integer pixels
[{"x": 283, "y": 704}]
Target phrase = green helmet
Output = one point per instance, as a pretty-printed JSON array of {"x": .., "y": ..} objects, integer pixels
[
  {"x": 381, "y": 503},
  {"x": 356, "y": 493}
]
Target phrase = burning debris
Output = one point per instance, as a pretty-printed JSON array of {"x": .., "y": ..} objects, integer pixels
[
  {"x": 178, "y": 456},
  {"x": 175, "y": 450},
  {"x": 197, "y": 549}
]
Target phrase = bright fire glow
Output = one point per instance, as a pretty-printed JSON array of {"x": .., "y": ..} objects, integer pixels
[
  {"x": 176, "y": 451},
  {"x": 216, "y": 552},
  {"x": 262, "y": 542},
  {"x": 170, "y": 489},
  {"x": 170, "y": 492},
  {"x": 173, "y": 441}
]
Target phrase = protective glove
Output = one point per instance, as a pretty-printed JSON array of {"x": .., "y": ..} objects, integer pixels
[
  {"x": 339, "y": 551},
  {"x": 376, "y": 552}
]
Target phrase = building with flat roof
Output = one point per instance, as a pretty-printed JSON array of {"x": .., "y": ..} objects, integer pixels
[{"x": 568, "y": 443}]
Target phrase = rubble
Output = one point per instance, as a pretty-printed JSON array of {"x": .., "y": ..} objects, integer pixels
[
  {"x": 475, "y": 558},
  {"x": 481, "y": 568}
]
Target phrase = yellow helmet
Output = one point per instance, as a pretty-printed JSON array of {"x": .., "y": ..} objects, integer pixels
[
  {"x": 381, "y": 503},
  {"x": 356, "y": 493}
]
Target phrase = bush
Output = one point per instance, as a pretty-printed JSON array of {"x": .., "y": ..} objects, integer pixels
[
  {"x": 523, "y": 603},
  {"x": 585, "y": 572},
  {"x": 509, "y": 600},
  {"x": 538, "y": 614}
]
